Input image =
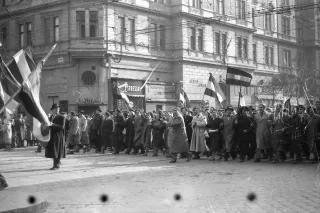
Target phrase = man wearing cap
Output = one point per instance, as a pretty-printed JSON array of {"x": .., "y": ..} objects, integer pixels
[
  {"x": 228, "y": 131},
  {"x": 56, "y": 146},
  {"x": 95, "y": 130}
]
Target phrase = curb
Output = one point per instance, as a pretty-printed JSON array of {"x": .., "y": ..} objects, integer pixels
[{"x": 37, "y": 208}]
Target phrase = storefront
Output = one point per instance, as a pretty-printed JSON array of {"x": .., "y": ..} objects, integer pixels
[
  {"x": 160, "y": 96},
  {"x": 132, "y": 88}
]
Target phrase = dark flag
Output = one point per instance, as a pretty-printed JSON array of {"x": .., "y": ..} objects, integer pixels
[{"x": 238, "y": 77}]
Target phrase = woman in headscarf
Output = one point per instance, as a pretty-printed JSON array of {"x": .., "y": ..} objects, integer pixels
[
  {"x": 198, "y": 123},
  {"x": 177, "y": 136}
]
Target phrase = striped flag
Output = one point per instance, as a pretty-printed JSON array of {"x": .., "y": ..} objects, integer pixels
[
  {"x": 287, "y": 105},
  {"x": 213, "y": 89},
  {"x": 126, "y": 99},
  {"x": 238, "y": 77},
  {"x": 21, "y": 67},
  {"x": 183, "y": 97}
]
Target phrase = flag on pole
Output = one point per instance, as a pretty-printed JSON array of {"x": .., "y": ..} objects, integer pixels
[
  {"x": 213, "y": 89},
  {"x": 238, "y": 77},
  {"x": 9, "y": 83},
  {"x": 126, "y": 99},
  {"x": 183, "y": 97},
  {"x": 21, "y": 67},
  {"x": 287, "y": 105}
]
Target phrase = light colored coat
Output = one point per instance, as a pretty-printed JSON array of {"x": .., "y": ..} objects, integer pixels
[
  {"x": 177, "y": 136},
  {"x": 263, "y": 130},
  {"x": 198, "y": 139}
]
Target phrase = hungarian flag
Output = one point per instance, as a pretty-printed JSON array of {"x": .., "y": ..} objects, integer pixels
[
  {"x": 21, "y": 67},
  {"x": 126, "y": 99},
  {"x": 183, "y": 98},
  {"x": 213, "y": 89},
  {"x": 238, "y": 77}
]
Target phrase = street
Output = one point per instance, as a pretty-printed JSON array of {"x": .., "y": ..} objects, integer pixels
[{"x": 125, "y": 183}]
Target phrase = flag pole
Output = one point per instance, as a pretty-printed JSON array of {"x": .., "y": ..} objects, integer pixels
[
  {"x": 239, "y": 98},
  {"x": 153, "y": 69},
  {"x": 306, "y": 94}
]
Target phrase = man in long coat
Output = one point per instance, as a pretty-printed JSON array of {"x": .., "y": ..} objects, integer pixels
[
  {"x": 158, "y": 128},
  {"x": 130, "y": 132},
  {"x": 119, "y": 124},
  {"x": 73, "y": 139},
  {"x": 95, "y": 130},
  {"x": 198, "y": 140},
  {"x": 56, "y": 146},
  {"x": 215, "y": 127},
  {"x": 262, "y": 120},
  {"x": 177, "y": 137},
  {"x": 228, "y": 131},
  {"x": 138, "y": 140}
]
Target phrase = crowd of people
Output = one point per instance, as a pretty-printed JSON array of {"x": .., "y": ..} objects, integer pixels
[
  {"x": 15, "y": 131},
  {"x": 245, "y": 134}
]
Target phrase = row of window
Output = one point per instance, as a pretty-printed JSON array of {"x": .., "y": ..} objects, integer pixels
[
  {"x": 52, "y": 31},
  {"x": 221, "y": 46},
  {"x": 219, "y": 7}
]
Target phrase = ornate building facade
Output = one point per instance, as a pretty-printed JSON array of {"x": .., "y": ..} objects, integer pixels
[{"x": 181, "y": 40}]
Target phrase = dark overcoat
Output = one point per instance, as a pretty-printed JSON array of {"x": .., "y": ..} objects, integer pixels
[{"x": 56, "y": 146}]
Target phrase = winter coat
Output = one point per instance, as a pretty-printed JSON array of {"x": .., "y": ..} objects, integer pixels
[
  {"x": 177, "y": 136},
  {"x": 198, "y": 141}
]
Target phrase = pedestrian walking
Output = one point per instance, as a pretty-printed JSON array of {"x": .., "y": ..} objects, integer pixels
[
  {"x": 73, "y": 139},
  {"x": 199, "y": 122},
  {"x": 6, "y": 128},
  {"x": 107, "y": 132},
  {"x": 95, "y": 130},
  {"x": 228, "y": 131},
  {"x": 83, "y": 126},
  {"x": 158, "y": 127},
  {"x": 215, "y": 127},
  {"x": 177, "y": 136},
  {"x": 130, "y": 132},
  {"x": 56, "y": 146},
  {"x": 242, "y": 126}
]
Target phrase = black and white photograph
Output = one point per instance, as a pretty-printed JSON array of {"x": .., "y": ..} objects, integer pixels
[{"x": 159, "y": 106}]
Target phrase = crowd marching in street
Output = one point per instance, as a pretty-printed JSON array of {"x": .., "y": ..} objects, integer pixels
[{"x": 224, "y": 134}]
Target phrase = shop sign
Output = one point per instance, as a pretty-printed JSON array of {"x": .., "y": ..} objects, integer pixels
[
  {"x": 157, "y": 92},
  {"x": 89, "y": 100},
  {"x": 128, "y": 86}
]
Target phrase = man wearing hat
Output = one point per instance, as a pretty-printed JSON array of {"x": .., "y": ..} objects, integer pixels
[
  {"x": 56, "y": 146},
  {"x": 95, "y": 130}
]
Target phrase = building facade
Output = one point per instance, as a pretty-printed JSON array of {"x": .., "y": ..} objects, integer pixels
[{"x": 104, "y": 44}]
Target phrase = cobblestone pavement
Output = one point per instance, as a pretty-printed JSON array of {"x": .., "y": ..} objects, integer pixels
[{"x": 151, "y": 184}]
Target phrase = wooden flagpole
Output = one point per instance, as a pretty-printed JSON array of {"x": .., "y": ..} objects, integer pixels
[{"x": 153, "y": 69}]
